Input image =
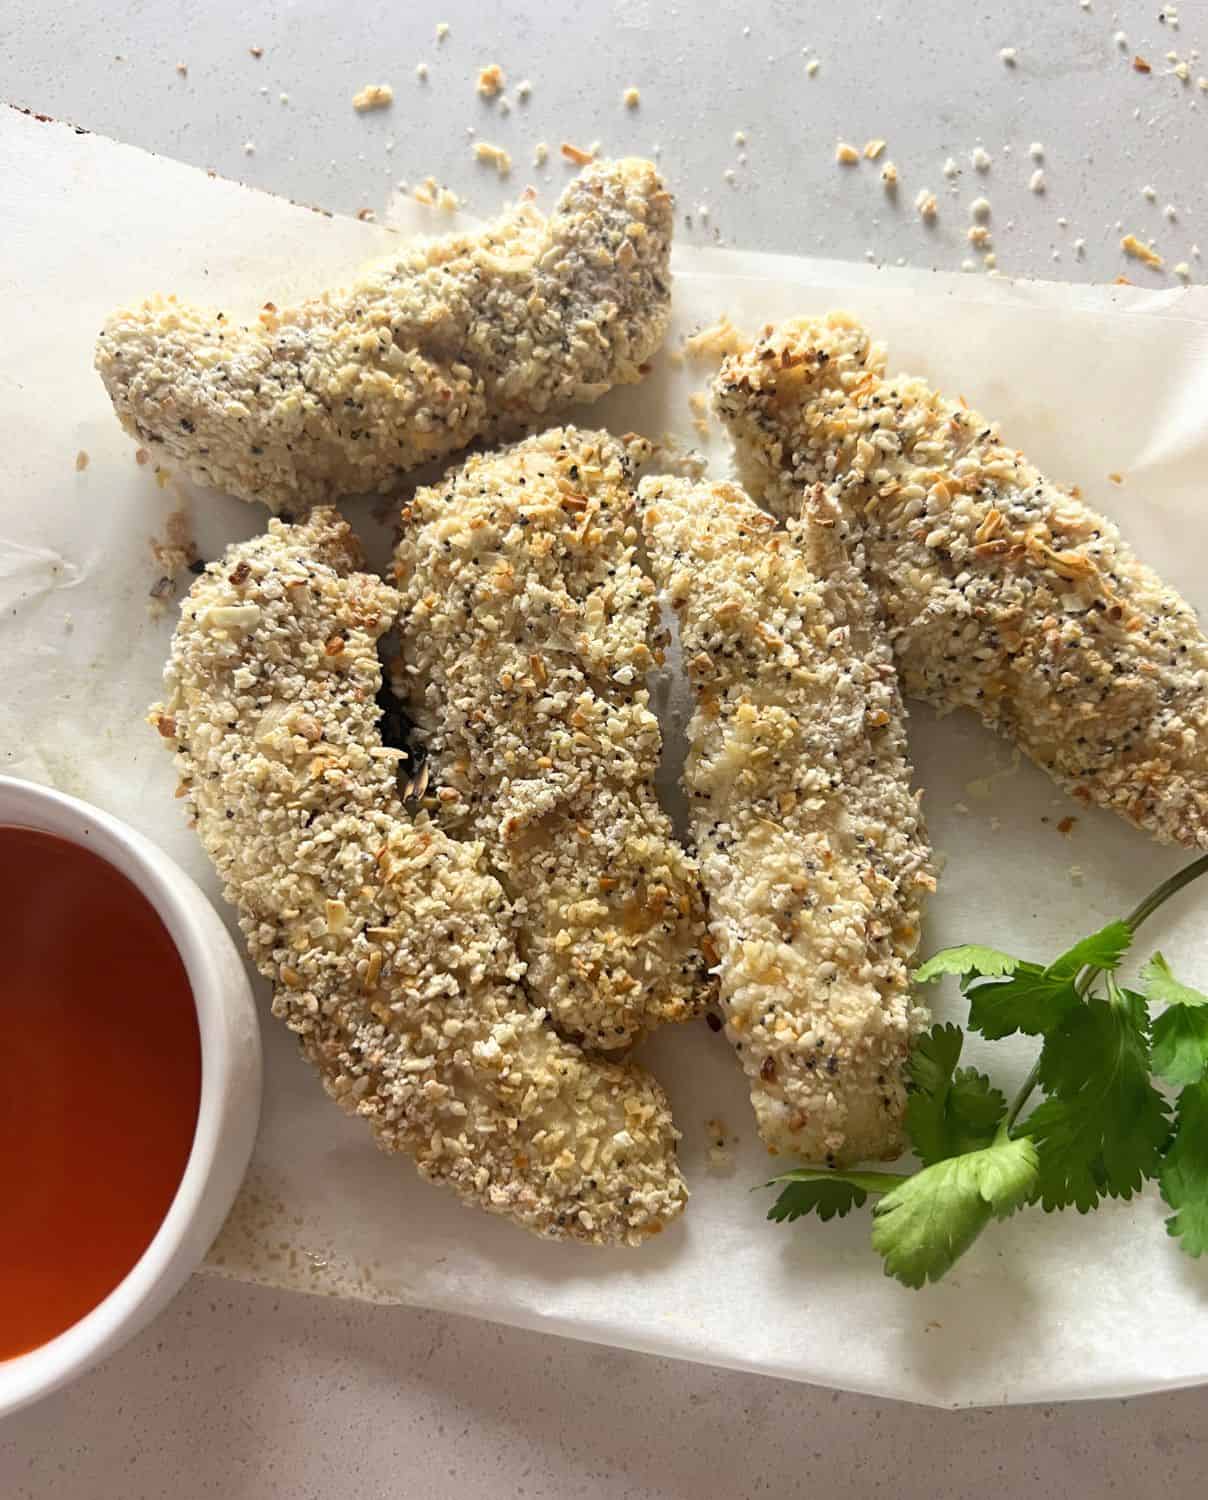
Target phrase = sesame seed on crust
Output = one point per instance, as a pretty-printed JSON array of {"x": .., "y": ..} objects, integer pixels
[
  {"x": 527, "y": 633},
  {"x": 810, "y": 839},
  {"x": 1002, "y": 592},
  {"x": 450, "y": 340},
  {"x": 390, "y": 948}
]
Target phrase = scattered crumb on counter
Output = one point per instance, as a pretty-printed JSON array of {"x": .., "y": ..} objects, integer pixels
[
  {"x": 631, "y": 98},
  {"x": 716, "y": 341},
  {"x": 141, "y": 456},
  {"x": 1183, "y": 270},
  {"x": 490, "y": 80},
  {"x": 812, "y": 67},
  {"x": 366, "y": 215},
  {"x": 846, "y": 155},
  {"x": 421, "y": 71},
  {"x": 979, "y": 235},
  {"x": 1076, "y": 874},
  {"x": 980, "y": 158},
  {"x": 1121, "y": 41},
  {"x": 576, "y": 154},
  {"x": 1036, "y": 151},
  {"x": 442, "y": 30},
  {"x": 540, "y": 153},
  {"x": 990, "y": 260},
  {"x": 1131, "y": 245},
  {"x": 980, "y": 208},
  {"x": 1149, "y": 193},
  {"x": 249, "y": 148},
  {"x": 740, "y": 137},
  {"x": 1067, "y": 825},
  {"x": 1141, "y": 66},
  {"x": 182, "y": 68},
  {"x": 873, "y": 149},
  {"x": 1181, "y": 71},
  {"x": 1116, "y": 478},
  {"x": 1080, "y": 247},
  {"x": 496, "y": 156},
  {"x": 523, "y": 89},
  {"x": 889, "y": 175},
  {"x": 81, "y": 461},
  {"x": 283, "y": 98},
  {"x": 926, "y": 204},
  {"x": 961, "y": 808},
  {"x": 1009, "y": 56},
  {"x": 950, "y": 169},
  {"x": 1171, "y": 212},
  {"x": 256, "y": 52},
  {"x": 1036, "y": 182},
  {"x": 373, "y": 96}
]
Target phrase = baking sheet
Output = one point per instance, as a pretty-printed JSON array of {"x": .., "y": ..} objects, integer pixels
[{"x": 1090, "y": 381}]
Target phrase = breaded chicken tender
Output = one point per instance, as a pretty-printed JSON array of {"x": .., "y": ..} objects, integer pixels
[
  {"x": 447, "y": 341},
  {"x": 527, "y": 627},
  {"x": 1002, "y": 592},
  {"x": 812, "y": 848},
  {"x": 389, "y": 946}
]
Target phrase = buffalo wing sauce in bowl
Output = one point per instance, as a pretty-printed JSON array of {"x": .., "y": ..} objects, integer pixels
[{"x": 129, "y": 1084}]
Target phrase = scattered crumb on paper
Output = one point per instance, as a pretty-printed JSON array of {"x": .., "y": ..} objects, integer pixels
[{"x": 714, "y": 343}]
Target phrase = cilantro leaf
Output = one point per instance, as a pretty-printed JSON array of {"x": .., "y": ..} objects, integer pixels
[
  {"x": 950, "y": 1109},
  {"x": 1031, "y": 1001},
  {"x": 922, "y": 1228},
  {"x": 1184, "y": 1175},
  {"x": 829, "y": 1194},
  {"x": 1102, "y": 1129},
  {"x": 1104, "y": 949},
  {"x": 969, "y": 958},
  {"x": 1180, "y": 1033}
]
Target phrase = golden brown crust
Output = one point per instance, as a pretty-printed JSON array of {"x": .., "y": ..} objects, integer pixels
[
  {"x": 451, "y": 340},
  {"x": 527, "y": 629},
  {"x": 810, "y": 840},
  {"x": 1002, "y": 592},
  {"x": 389, "y": 946}
]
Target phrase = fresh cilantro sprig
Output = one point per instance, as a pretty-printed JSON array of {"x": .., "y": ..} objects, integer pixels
[{"x": 1101, "y": 1130}]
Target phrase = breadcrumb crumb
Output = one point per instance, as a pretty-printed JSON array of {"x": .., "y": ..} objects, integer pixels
[
  {"x": 540, "y": 153},
  {"x": 980, "y": 158},
  {"x": 494, "y": 156},
  {"x": 1036, "y": 183},
  {"x": 442, "y": 30},
  {"x": 889, "y": 176},
  {"x": 490, "y": 80},
  {"x": 846, "y": 155},
  {"x": 373, "y": 96},
  {"x": 925, "y": 204},
  {"x": 576, "y": 154},
  {"x": 631, "y": 98},
  {"x": 1131, "y": 245},
  {"x": 81, "y": 461},
  {"x": 873, "y": 149},
  {"x": 716, "y": 341}
]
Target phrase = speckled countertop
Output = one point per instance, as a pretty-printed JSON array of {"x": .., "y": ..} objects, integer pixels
[{"x": 237, "y": 1391}]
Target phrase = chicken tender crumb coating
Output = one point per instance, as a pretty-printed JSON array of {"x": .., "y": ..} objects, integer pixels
[
  {"x": 1002, "y": 591},
  {"x": 447, "y": 341},
  {"x": 388, "y": 944},
  {"x": 811, "y": 844},
  {"x": 526, "y": 642}
]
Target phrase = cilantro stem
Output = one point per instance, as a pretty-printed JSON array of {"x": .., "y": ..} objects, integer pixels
[{"x": 1156, "y": 898}]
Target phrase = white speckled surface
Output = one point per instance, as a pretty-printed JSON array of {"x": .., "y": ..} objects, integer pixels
[
  {"x": 243, "y": 1393},
  {"x": 237, "y": 1391}
]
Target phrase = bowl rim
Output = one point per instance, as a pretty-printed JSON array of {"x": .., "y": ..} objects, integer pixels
[{"x": 230, "y": 1065}]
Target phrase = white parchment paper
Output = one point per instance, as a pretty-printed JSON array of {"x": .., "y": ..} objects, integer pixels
[{"x": 1090, "y": 381}]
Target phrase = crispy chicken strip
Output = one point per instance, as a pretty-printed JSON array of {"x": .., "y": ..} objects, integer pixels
[
  {"x": 447, "y": 341},
  {"x": 1002, "y": 592},
  {"x": 526, "y": 642},
  {"x": 389, "y": 946},
  {"x": 811, "y": 843}
]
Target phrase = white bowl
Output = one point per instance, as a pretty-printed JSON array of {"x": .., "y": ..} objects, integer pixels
[{"x": 228, "y": 1113}]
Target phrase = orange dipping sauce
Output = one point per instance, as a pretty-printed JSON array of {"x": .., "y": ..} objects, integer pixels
[{"x": 100, "y": 1082}]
